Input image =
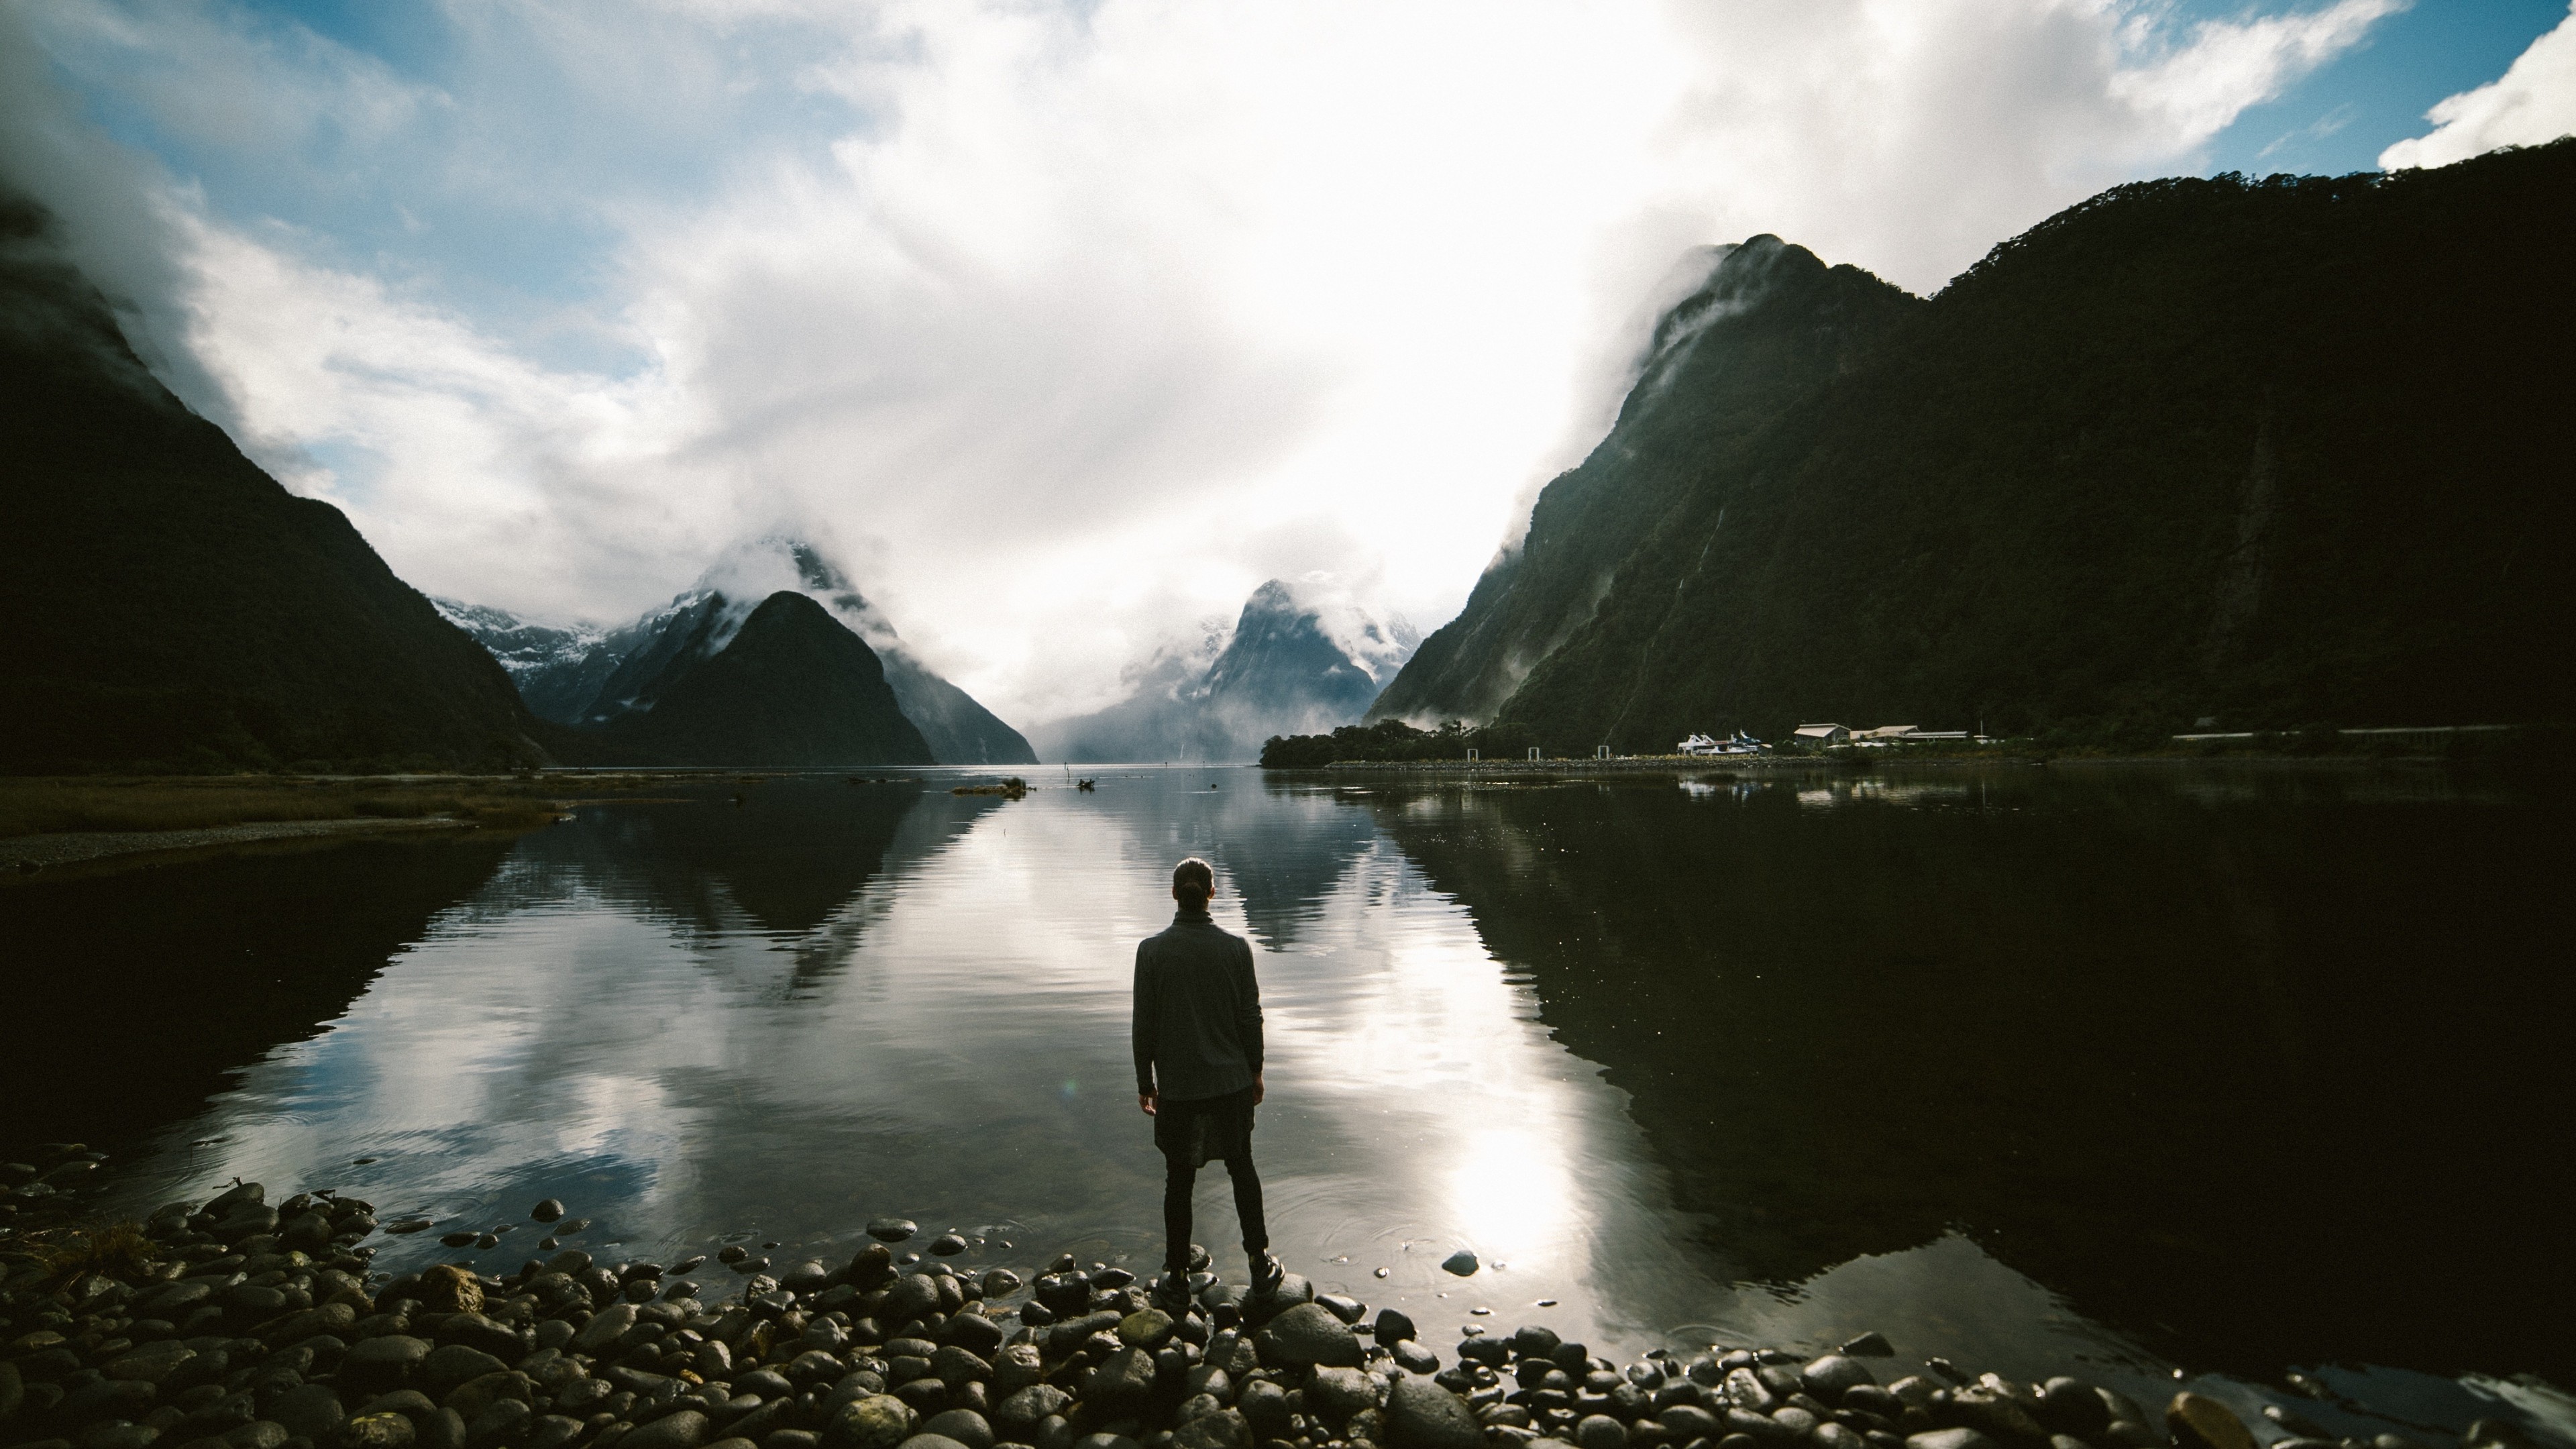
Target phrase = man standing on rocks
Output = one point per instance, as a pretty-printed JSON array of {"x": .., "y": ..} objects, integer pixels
[{"x": 1197, "y": 1031}]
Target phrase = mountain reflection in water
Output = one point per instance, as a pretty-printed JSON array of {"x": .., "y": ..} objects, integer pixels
[{"x": 2232, "y": 1070}]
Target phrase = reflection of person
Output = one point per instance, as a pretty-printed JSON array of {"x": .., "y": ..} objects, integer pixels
[{"x": 1198, "y": 1070}]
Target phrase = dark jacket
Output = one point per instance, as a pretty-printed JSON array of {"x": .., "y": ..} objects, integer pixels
[{"x": 1198, "y": 1011}]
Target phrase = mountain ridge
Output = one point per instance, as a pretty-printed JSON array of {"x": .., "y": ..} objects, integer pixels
[
  {"x": 791, "y": 686},
  {"x": 170, "y": 605},
  {"x": 2266, "y": 454},
  {"x": 1296, "y": 659},
  {"x": 587, "y": 677}
]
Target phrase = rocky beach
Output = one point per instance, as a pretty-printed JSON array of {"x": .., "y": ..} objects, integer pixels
[{"x": 237, "y": 1322}]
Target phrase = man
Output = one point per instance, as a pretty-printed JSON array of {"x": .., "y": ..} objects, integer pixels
[{"x": 1197, "y": 1032}]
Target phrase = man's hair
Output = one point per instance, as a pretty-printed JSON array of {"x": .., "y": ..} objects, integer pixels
[{"x": 1194, "y": 880}]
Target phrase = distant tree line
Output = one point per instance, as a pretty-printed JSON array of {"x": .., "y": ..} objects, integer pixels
[{"x": 1393, "y": 739}]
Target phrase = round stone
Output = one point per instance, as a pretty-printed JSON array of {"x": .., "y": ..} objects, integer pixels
[
  {"x": 374, "y": 1431},
  {"x": 1949, "y": 1439},
  {"x": 375, "y": 1364},
  {"x": 1220, "y": 1428},
  {"x": 1422, "y": 1415},
  {"x": 879, "y": 1421},
  {"x": 1600, "y": 1431},
  {"x": 1462, "y": 1263},
  {"x": 1308, "y": 1334},
  {"x": 1829, "y": 1376},
  {"x": 548, "y": 1211},
  {"x": 892, "y": 1230},
  {"x": 963, "y": 1426},
  {"x": 1148, "y": 1329},
  {"x": 1122, "y": 1382},
  {"x": 2200, "y": 1422}
]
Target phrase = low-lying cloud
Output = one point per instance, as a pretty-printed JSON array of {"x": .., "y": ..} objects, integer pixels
[
  {"x": 2531, "y": 103},
  {"x": 1069, "y": 324}
]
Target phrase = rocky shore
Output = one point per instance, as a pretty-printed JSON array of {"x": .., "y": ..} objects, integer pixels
[{"x": 241, "y": 1323}]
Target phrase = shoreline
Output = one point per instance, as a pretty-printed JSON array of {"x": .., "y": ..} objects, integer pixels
[
  {"x": 30, "y": 854},
  {"x": 1842, "y": 764},
  {"x": 232, "y": 1323}
]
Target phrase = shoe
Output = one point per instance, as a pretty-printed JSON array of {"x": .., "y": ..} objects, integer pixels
[
  {"x": 1171, "y": 1292},
  {"x": 1267, "y": 1274}
]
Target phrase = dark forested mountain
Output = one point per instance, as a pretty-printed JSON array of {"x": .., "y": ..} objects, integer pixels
[
  {"x": 2272, "y": 453},
  {"x": 791, "y": 686},
  {"x": 166, "y": 604},
  {"x": 587, "y": 677},
  {"x": 1770, "y": 325},
  {"x": 1298, "y": 660}
]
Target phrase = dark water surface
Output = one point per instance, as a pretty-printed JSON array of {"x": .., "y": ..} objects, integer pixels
[{"x": 2152, "y": 1069}]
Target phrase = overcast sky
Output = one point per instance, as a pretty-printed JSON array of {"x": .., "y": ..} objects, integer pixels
[{"x": 1064, "y": 326}]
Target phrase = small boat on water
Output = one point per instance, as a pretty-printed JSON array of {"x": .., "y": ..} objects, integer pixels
[{"x": 1738, "y": 743}]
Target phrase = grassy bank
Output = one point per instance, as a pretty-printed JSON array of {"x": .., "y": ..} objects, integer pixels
[{"x": 92, "y": 803}]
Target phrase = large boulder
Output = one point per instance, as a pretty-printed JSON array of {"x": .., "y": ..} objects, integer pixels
[
  {"x": 1224, "y": 1429},
  {"x": 386, "y": 1361},
  {"x": 879, "y": 1421},
  {"x": 1120, "y": 1384},
  {"x": 309, "y": 1411},
  {"x": 447, "y": 1288},
  {"x": 2200, "y": 1422},
  {"x": 604, "y": 1329},
  {"x": 1308, "y": 1335},
  {"x": 151, "y": 1363},
  {"x": 1420, "y": 1414},
  {"x": 1017, "y": 1416},
  {"x": 960, "y": 1426},
  {"x": 1827, "y": 1377},
  {"x": 1265, "y": 1408},
  {"x": 478, "y": 1394},
  {"x": 956, "y": 1368},
  {"x": 451, "y": 1365},
  {"x": 476, "y": 1331},
  {"x": 1338, "y": 1393},
  {"x": 974, "y": 1333},
  {"x": 686, "y": 1429},
  {"x": 1148, "y": 1329}
]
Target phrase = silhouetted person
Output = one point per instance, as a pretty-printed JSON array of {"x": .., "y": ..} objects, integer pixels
[{"x": 1198, "y": 1070}]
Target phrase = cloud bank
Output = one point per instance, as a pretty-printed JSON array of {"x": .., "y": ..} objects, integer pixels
[
  {"x": 2533, "y": 102},
  {"x": 1070, "y": 324}
]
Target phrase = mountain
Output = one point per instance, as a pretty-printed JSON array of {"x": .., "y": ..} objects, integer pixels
[
  {"x": 1300, "y": 659},
  {"x": 2267, "y": 453},
  {"x": 546, "y": 663},
  {"x": 169, "y": 606},
  {"x": 791, "y": 686},
  {"x": 588, "y": 677}
]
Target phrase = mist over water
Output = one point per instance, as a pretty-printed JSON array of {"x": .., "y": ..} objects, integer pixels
[{"x": 2148, "y": 1069}]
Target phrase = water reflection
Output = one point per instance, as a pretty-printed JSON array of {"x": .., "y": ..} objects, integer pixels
[
  {"x": 2223, "y": 1070},
  {"x": 130, "y": 997},
  {"x": 2169, "y": 1050}
]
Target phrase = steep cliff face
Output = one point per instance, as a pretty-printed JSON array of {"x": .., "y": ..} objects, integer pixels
[
  {"x": 169, "y": 605},
  {"x": 1770, "y": 325},
  {"x": 2275, "y": 453}
]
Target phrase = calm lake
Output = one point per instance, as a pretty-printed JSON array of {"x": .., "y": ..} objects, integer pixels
[{"x": 2159, "y": 1069}]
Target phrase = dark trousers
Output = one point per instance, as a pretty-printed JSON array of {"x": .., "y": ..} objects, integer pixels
[{"x": 1180, "y": 1176}]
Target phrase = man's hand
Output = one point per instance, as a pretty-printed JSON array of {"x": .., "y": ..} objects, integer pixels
[
  {"x": 1258, "y": 1091},
  {"x": 1146, "y": 1101}
]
